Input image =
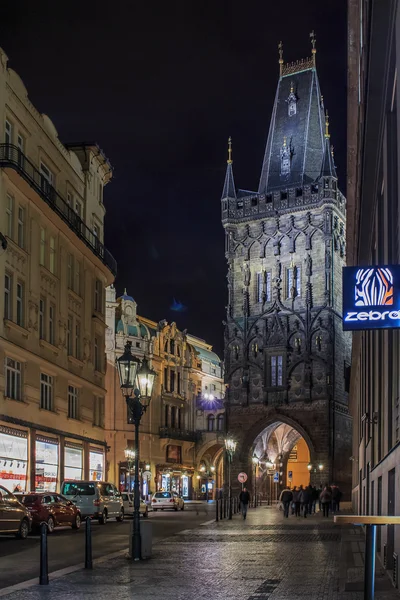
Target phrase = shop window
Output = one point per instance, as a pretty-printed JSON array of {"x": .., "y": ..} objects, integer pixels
[
  {"x": 46, "y": 466},
  {"x": 96, "y": 466},
  {"x": 220, "y": 423},
  {"x": 73, "y": 463},
  {"x": 46, "y": 391},
  {"x": 210, "y": 422},
  {"x": 276, "y": 371},
  {"x": 13, "y": 376},
  {"x": 73, "y": 405},
  {"x": 13, "y": 460}
]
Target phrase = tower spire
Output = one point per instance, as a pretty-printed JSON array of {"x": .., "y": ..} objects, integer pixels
[
  {"x": 313, "y": 42},
  {"x": 327, "y": 134},
  {"x": 280, "y": 50},
  {"x": 229, "y": 184}
]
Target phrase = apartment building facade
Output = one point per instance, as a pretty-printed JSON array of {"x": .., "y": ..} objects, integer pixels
[{"x": 54, "y": 268}]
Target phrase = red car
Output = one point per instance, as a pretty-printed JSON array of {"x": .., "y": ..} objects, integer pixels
[{"x": 52, "y": 508}]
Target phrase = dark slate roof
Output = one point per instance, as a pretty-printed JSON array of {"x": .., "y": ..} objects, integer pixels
[
  {"x": 229, "y": 185},
  {"x": 328, "y": 168},
  {"x": 304, "y": 133}
]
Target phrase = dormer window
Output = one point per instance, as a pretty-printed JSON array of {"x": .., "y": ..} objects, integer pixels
[
  {"x": 292, "y": 102},
  {"x": 285, "y": 158}
]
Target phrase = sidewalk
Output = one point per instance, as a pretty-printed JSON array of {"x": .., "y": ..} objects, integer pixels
[{"x": 265, "y": 557}]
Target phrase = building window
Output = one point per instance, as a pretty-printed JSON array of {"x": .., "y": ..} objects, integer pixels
[
  {"x": 78, "y": 208},
  {"x": 276, "y": 370},
  {"x": 42, "y": 313},
  {"x": 179, "y": 418},
  {"x": 285, "y": 158},
  {"x": 260, "y": 286},
  {"x": 70, "y": 271},
  {"x": 21, "y": 226},
  {"x": 52, "y": 256},
  {"x": 73, "y": 409},
  {"x": 47, "y": 177},
  {"x": 268, "y": 287},
  {"x": 52, "y": 311},
  {"x": 7, "y": 296},
  {"x": 9, "y": 215},
  {"x": 166, "y": 415},
  {"x": 293, "y": 282},
  {"x": 98, "y": 419},
  {"x": 173, "y": 417},
  {"x": 178, "y": 389},
  {"x": 166, "y": 379},
  {"x": 42, "y": 246},
  {"x": 13, "y": 379},
  {"x": 263, "y": 286},
  {"x": 97, "y": 363},
  {"x": 172, "y": 381},
  {"x": 98, "y": 296},
  {"x": 69, "y": 336},
  {"x": 220, "y": 423},
  {"x": 77, "y": 270},
  {"x": 78, "y": 341},
  {"x": 46, "y": 391},
  {"x": 210, "y": 422},
  {"x": 172, "y": 346},
  {"x": 8, "y": 132},
  {"x": 20, "y": 304},
  {"x": 21, "y": 143}
]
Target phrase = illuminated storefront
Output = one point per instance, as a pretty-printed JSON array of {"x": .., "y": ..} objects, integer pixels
[
  {"x": 175, "y": 480},
  {"x": 46, "y": 472},
  {"x": 73, "y": 462},
  {"x": 13, "y": 459},
  {"x": 96, "y": 465}
]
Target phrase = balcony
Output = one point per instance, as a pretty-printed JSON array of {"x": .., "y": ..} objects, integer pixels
[
  {"x": 12, "y": 157},
  {"x": 180, "y": 434}
]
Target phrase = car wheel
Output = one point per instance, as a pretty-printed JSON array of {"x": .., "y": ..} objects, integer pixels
[
  {"x": 23, "y": 530},
  {"x": 175, "y": 507},
  {"x": 77, "y": 523},
  {"x": 50, "y": 525},
  {"x": 120, "y": 518},
  {"x": 155, "y": 509},
  {"x": 103, "y": 517}
]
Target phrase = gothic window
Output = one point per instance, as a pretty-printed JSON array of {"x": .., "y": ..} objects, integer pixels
[
  {"x": 166, "y": 346},
  {"x": 276, "y": 371},
  {"x": 292, "y": 102},
  {"x": 210, "y": 423},
  {"x": 293, "y": 282},
  {"x": 268, "y": 280},
  {"x": 285, "y": 158},
  {"x": 172, "y": 346},
  {"x": 220, "y": 423},
  {"x": 260, "y": 286}
]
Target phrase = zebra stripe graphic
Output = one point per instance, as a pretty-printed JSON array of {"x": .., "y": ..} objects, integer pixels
[{"x": 374, "y": 287}]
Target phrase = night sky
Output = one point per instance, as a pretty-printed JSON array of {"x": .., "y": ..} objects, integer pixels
[{"x": 160, "y": 87}]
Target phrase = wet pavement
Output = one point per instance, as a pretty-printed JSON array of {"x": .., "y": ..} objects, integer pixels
[{"x": 265, "y": 557}]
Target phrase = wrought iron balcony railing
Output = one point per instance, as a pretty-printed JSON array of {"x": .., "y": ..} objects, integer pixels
[
  {"x": 180, "y": 434},
  {"x": 12, "y": 157}
]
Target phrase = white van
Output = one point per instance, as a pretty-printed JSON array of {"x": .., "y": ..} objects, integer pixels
[{"x": 97, "y": 499}]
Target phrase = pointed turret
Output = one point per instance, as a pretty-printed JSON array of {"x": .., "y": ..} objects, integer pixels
[
  {"x": 328, "y": 165},
  {"x": 229, "y": 185}
]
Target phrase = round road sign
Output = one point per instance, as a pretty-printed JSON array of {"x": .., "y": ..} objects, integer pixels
[{"x": 242, "y": 477}]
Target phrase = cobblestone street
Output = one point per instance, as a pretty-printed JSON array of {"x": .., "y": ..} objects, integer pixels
[{"x": 265, "y": 557}]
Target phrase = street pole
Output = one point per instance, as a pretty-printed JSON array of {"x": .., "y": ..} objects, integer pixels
[
  {"x": 230, "y": 487},
  {"x": 137, "y": 542},
  {"x": 255, "y": 486}
]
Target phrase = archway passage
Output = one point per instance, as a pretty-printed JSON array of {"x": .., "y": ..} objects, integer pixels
[{"x": 283, "y": 459}]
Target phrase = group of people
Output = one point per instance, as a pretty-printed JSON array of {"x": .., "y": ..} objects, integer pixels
[{"x": 303, "y": 500}]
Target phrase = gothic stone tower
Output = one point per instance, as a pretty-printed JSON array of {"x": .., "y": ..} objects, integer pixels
[{"x": 287, "y": 357}]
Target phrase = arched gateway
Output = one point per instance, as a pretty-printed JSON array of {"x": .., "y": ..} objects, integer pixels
[{"x": 286, "y": 355}]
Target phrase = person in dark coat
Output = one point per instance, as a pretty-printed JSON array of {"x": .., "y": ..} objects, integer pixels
[
  {"x": 286, "y": 498},
  {"x": 244, "y": 498},
  {"x": 294, "y": 492},
  {"x": 296, "y": 500},
  {"x": 336, "y": 497},
  {"x": 304, "y": 500},
  {"x": 326, "y": 499}
]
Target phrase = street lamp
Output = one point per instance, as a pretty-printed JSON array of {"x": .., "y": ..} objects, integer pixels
[
  {"x": 137, "y": 381},
  {"x": 256, "y": 462},
  {"x": 130, "y": 457},
  {"x": 230, "y": 446}
]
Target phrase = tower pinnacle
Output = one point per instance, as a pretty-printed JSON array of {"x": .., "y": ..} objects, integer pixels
[
  {"x": 229, "y": 161},
  {"x": 313, "y": 42},
  {"x": 280, "y": 50},
  {"x": 327, "y": 134}
]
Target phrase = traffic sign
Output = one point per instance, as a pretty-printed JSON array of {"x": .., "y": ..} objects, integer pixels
[
  {"x": 242, "y": 477},
  {"x": 290, "y": 474},
  {"x": 276, "y": 476},
  {"x": 146, "y": 474}
]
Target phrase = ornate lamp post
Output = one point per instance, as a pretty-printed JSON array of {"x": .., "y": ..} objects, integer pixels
[
  {"x": 137, "y": 380},
  {"x": 130, "y": 457},
  {"x": 230, "y": 446},
  {"x": 256, "y": 462}
]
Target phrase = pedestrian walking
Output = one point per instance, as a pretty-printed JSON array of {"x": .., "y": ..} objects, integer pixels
[
  {"x": 296, "y": 500},
  {"x": 326, "y": 499},
  {"x": 336, "y": 497},
  {"x": 294, "y": 492},
  {"x": 286, "y": 498},
  {"x": 310, "y": 490},
  {"x": 304, "y": 500},
  {"x": 244, "y": 498},
  {"x": 319, "y": 492}
]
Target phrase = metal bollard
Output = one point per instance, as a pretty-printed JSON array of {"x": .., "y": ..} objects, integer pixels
[
  {"x": 44, "y": 567},
  {"x": 88, "y": 544}
]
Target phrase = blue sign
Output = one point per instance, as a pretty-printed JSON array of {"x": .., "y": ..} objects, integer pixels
[
  {"x": 276, "y": 477},
  {"x": 290, "y": 474},
  {"x": 371, "y": 297}
]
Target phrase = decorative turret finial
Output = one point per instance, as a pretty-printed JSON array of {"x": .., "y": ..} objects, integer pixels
[
  {"x": 327, "y": 135},
  {"x": 284, "y": 141},
  {"x": 291, "y": 87},
  {"x": 313, "y": 42},
  {"x": 125, "y": 292},
  {"x": 280, "y": 50},
  {"x": 229, "y": 161}
]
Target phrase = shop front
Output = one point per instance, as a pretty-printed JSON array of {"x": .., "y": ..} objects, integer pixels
[
  {"x": 73, "y": 461},
  {"x": 96, "y": 465},
  {"x": 178, "y": 480},
  {"x": 46, "y": 464},
  {"x": 13, "y": 459}
]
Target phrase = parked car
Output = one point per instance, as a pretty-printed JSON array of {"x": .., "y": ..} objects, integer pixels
[
  {"x": 165, "y": 500},
  {"x": 128, "y": 500},
  {"x": 97, "y": 499},
  {"x": 56, "y": 510},
  {"x": 14, "y": 517}
]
